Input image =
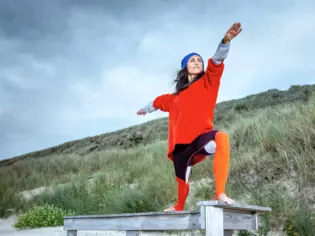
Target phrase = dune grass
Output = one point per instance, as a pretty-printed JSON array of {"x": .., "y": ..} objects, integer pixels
[{"x": 272, "y": 164}]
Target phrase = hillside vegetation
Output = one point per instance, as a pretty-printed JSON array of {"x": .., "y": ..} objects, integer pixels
[
  {"x": 272, "y": 138},
  {"x": 154, "y": 130}
]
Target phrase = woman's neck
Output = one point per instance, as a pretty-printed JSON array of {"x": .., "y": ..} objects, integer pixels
[{"x": 191, "y": 78}]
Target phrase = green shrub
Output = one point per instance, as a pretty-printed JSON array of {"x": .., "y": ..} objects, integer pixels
[
  {"x": 301, "y": 224},
  {"x": 42, "y": 216}
]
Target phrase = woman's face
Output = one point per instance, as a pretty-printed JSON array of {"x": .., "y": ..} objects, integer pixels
[{"x": 194, "y": 65}]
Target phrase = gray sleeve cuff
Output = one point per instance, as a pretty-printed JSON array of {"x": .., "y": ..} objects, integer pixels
[
  {"x": 221, "y": 53},
  {"x": 149, "y": 107}
]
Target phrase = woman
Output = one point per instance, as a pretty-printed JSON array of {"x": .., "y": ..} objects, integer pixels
[{"x": 191, "y": 108}]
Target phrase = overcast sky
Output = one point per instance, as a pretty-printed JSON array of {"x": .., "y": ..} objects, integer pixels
[{"x": 71, "y": 69}]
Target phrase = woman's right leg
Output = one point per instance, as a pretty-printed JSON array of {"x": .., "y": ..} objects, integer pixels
[{"x": 182, "y": 172}]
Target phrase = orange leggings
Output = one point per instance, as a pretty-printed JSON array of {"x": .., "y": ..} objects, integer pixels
[{"x": 184, "y": 159}]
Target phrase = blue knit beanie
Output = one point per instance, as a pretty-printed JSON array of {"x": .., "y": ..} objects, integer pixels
[{"x": 186, "y": 58}]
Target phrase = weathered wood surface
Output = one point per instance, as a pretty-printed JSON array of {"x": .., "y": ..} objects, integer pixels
[
  {"x": 214, "y": 221},
  {"x": 236, "y": 206},
  {"x": 157, "y": 221},
  {"x": 132, "y": 233},
  {"x": 136, "y": 221},
  {"x": 71, "y": 233},
  {"x": 218, "y": 218},
  {"x": 228, "y": 233},
  {"x": 123, "y": 215},
  {"x": 239, "y": 221}
]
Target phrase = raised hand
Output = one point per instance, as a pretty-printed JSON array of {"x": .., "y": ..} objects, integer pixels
[{"x": 235, "y": 29}]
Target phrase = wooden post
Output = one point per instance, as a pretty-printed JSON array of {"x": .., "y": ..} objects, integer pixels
[
  {"x": 213, "y": 221},
  {"x": 71, "y": 232},
  {"x": 221, "y": 219}
]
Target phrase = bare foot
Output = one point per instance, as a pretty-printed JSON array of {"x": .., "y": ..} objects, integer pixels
[
  {"x": 170, "y": 209},
  {"x": 226, "y": 199},
  {"x": 173, "y": 208}
]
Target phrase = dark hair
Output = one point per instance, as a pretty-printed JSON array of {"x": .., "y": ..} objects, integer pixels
[{"x": 182, "y": 82}]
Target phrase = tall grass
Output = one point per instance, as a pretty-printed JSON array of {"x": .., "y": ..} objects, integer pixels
[
  {"x": 272, "y": 164},
  {"x": 128, "y": 180}
]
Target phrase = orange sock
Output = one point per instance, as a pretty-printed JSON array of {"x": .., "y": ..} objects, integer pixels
[
  {"x": 221, "y": 162},
  {"x": 182, "y": 193}
]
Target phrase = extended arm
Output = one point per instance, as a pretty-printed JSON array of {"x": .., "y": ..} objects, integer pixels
[
  {"x": 162, "y": 102},
  {"x": 149, "y": 108}
]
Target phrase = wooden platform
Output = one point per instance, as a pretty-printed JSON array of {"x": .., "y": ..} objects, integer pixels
[{"x": 215, "y": 217}]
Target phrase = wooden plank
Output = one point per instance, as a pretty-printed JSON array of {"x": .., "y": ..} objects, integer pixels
[
  {"x": 202, "y": 218},
  {"x": 214, "y": 221},
  {"x": 239, "y": 221},
  {"x": 137, "y": 221},
  {"x": 236, "y": 206},
  {"x": 257, "y": 222},
  {"x": 228, "y": 233},
  {"x": 123, "y": 215},
  {"x": 132, "y": 233},
  {"x": 71, "y": 233},
  {"x": 235, "y": 217},
  {"x": 160, "y": 221},
  {"x": 233, "y": 220}
]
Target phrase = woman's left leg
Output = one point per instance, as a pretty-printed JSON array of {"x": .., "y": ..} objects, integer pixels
[{"x": 220, "y": 147}]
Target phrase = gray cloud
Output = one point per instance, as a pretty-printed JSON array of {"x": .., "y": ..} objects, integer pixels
[{"x": 47, "y": 48}]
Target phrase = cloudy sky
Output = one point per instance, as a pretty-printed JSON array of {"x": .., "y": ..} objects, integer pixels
[{"x": 71, "y": 69}]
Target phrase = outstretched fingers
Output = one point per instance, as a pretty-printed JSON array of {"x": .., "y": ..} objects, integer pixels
[{"x": 234, "y": 30}]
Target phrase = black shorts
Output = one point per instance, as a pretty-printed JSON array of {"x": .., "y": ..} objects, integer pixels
[{"x": 183, "y": 154}]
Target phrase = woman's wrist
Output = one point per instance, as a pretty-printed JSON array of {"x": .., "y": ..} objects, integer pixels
[{"x": 226, "y": 40}]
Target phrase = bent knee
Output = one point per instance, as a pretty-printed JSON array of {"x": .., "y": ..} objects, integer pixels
[
  {"x": 210, "y": 147},
  {"x": 221, "y": 139},
  {"x": 221, "y": 136}
]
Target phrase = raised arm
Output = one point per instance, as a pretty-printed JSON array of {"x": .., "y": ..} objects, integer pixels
[
  {"x": 221, "y": 52},
  {"x": 215, "y": 66}
]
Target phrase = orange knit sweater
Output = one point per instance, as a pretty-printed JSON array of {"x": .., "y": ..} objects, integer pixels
[{"x": 191, "y": 111}]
